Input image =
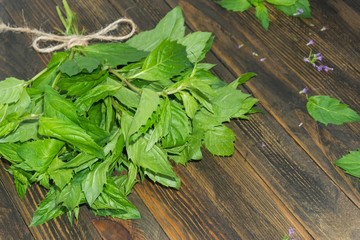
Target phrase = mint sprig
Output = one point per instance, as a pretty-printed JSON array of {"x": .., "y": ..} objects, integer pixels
[
  {"x": 296, "y": 8},
  {"x": 101, "y": 118}
]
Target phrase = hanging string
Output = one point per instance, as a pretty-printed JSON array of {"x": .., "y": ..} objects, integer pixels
[{"x": 67, "y": 42}]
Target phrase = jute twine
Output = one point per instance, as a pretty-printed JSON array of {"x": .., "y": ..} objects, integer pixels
[{"x": 67, "y": 42}]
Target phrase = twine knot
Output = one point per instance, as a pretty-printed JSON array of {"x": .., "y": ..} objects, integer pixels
[{"x": 67, "y": 42}]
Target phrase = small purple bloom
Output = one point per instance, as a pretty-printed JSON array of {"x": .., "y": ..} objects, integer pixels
[
  {"x": 298, "y": 12},
  {"x": 311, "y": 42},
  {"x": 306, "y": 59},
  {"x": 262, "y": 59},
  {"x": 263, "y": 145},
  {"x": 319, "y": 67},
  {"x": 304, "y": 90},
  {"x": 291, "y": 231},
  {"x": 319, "y": 56},
  {"x": 326, "y": 68}
]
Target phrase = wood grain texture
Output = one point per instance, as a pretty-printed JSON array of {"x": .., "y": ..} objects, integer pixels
[
  {"x": 281, "y": 175},
  {"x": 281, "y": 77}
]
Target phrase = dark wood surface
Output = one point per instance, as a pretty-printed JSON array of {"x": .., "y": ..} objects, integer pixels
[{"x": 282, "y": 173}]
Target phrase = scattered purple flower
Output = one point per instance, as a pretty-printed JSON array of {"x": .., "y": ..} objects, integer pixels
[
  {"x": 240, "y": 46},
  {"x": 319, "y": 67},
  {"x": 311, "y": 42},
  {"x": 262, "y": 59},
  {"x": 298, "y": 12},
  {"x": 263, "y": 145},
  {"x": 291, "y": 231},
  {"x": 327, "y": 68},
  {"x": 318, "y": 56},
  {"x": 306, "y": 59},
  {"x": 304, "y": 90}
]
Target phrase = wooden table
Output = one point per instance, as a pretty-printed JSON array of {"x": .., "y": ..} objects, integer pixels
[{"x": 282, "y": 173}]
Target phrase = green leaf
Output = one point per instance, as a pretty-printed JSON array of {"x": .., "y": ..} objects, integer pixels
[
  {"x": 94, "y": 181},
  {"x": 235, "y": 5},
  {"x": 10, "y": 152},
  {"x": 61, "y": 177},
  {"x": 71, "y": 196},
  {"x": 179, "y": 128},
  {"x": 220, "y": 141},
  {"x": 114, "y": 54},
  {"x": 11, "y": 90},
  {"x": 170, "y": 27},
  {"x": 282, "y": 2},
  {"x": 112, "y": 202},
  {"x": 81, "y": 83},
  {"x": 197, "y": 45},
  {"x": 149, "y": 102},
  {"x": 79, "y": 64},
  {"x": 262, "y": 14},
  {"x": 21, "y": 183},
  {"x": 47, "y": 209},
  {"x": 57, "y": 106},
  {"x": 167, "y": 60},
  {"x": 350, "y": 163},
  {"x": 70, "y": 133},
  {"x": 190, "y": 104},
  {"x": 40, "y": 153},
  {"x": 94, "y": 95},
  {"x": 155, "y": 161},
  {"x": 300, "y": 4},
  {"x": 26, "y": 131},
  {"x": 327, "y": 110}
]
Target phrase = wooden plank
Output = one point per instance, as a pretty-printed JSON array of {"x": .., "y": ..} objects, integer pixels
[
  {"x": 284, "y": 74},
  {"x": 12, "y": 226}
]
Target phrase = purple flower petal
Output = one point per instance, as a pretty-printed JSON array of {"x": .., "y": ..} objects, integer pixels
[
  {"x": 319, "y": 56},
  {"x": 311, "y": 42},
  {"x": 319, "y": 67},
  {"x": 304, "y": 90},
  {"x": 327, "y": 68}
]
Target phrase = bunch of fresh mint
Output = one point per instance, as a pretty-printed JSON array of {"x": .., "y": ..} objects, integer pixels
[
  {"x": 296, "y": 8},
  {"x": 103, "y": 117}
]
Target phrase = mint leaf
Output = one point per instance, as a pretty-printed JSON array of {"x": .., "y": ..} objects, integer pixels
[
  {"x": 304, "y": 5},
  {"x": 94, "y": 182},
  {"x": 40, "y": 153},
  {"x": 113, "y": 54},
  {"x": 11, "y": 90},
  {"x": 167, "y": 60},
  {"x": 197, "y": 45},
  {"x": 262, "y": 14},
  {"x": 220, "y": 140},
  {"x": 350, "y": 163},
  {"x": 70, "y": 133},
  {"x": 47, "y": 209},
  {"x": 235, "y": 5},
  {"x": 327, "y": 110},
  {"x": 79, "y": 64},
  {"x": 282, "y": 2},
  {"x": 170, "y": 27},
  {"x": 149, "y": 102}
]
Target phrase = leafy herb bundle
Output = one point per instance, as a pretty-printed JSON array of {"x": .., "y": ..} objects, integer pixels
[
  {"x": 296, "y": 8},
  {"x": 103, "y": 117}
]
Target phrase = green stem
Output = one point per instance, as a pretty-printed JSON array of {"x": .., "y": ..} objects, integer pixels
[
  {"x": 123, "y": 79},
  {"x": 56, "y": 80},
  {"x": 36, "y": 77}
]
